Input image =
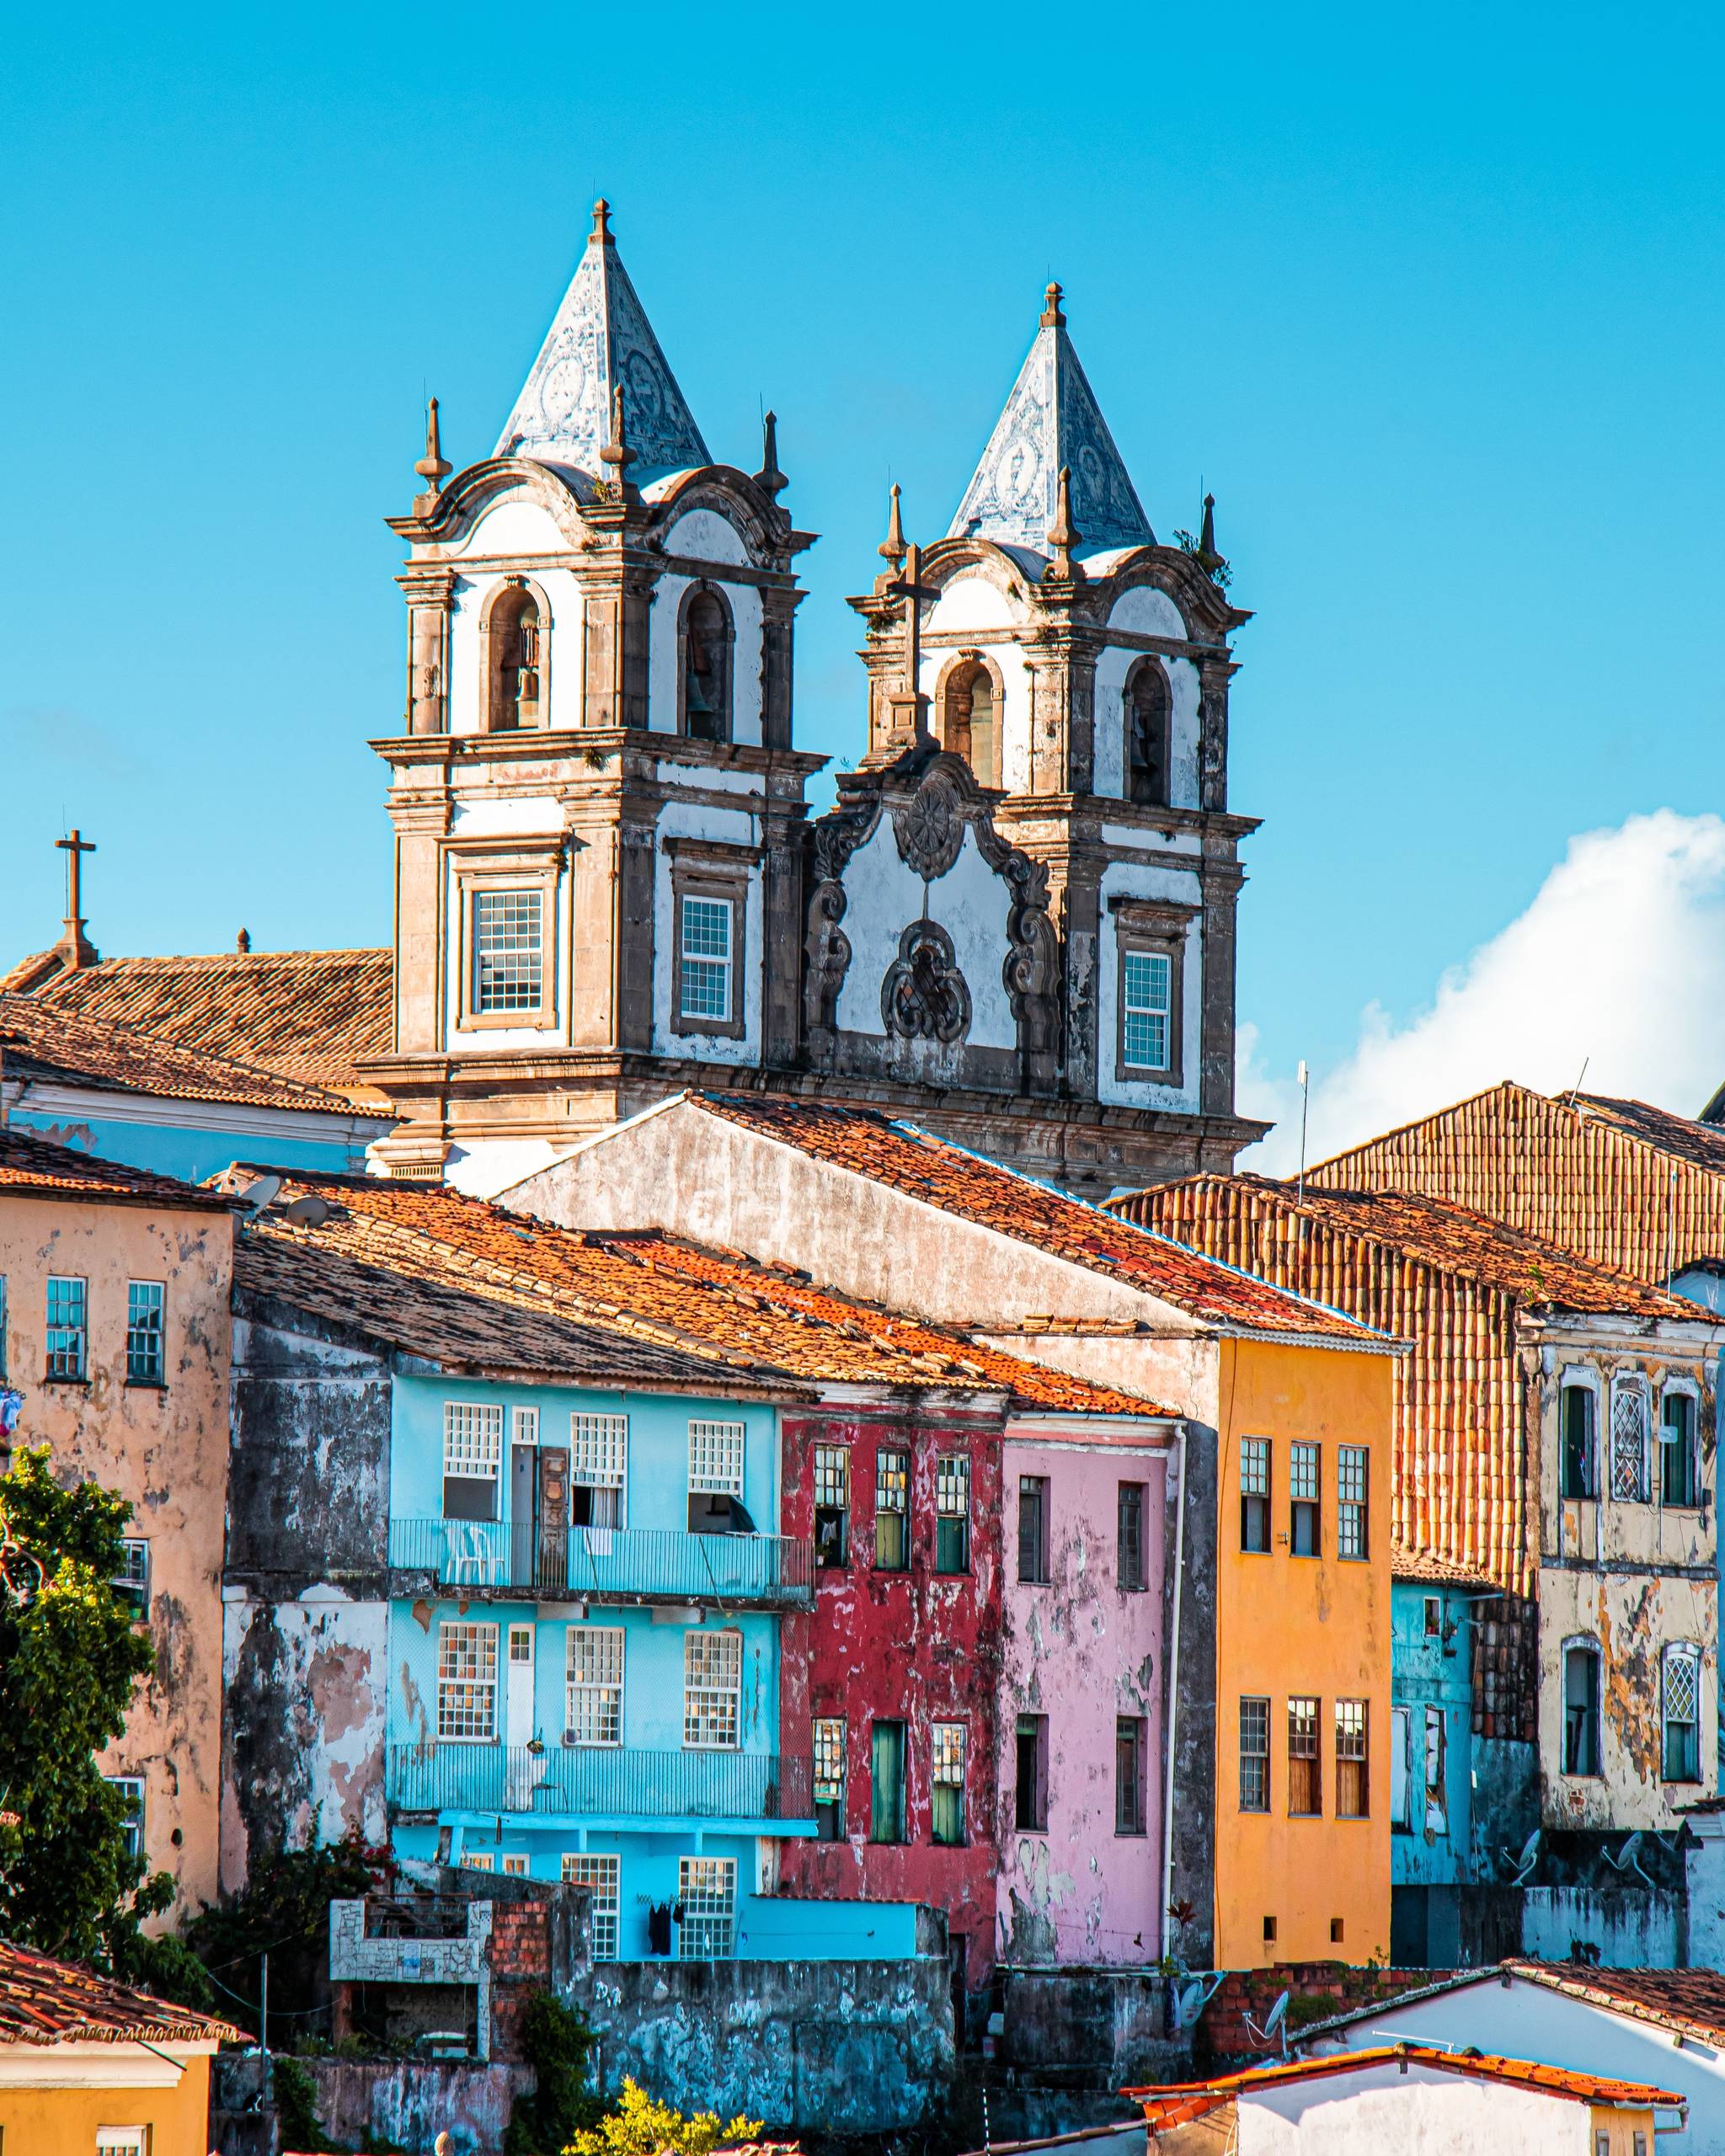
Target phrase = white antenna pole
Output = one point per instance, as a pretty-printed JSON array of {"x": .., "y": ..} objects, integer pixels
[
  {"x": 1579, "y": 1076},
  {"x": 1305, "y": 1099}
]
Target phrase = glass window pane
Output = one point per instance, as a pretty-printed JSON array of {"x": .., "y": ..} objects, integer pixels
[
  {"x": 705, "y": 989},
  {"x": 144, "y": 1360},
  {"x": 508, "y": 958},
  {"x": 1145, "y": 983}
]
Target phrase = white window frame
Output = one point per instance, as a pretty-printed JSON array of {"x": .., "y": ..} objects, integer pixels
[
  {"x": 594, "y": 1668},
  {"x": 707, "y": 1887},
  {"x": 716, "y": 1453},
  {"x": 524, "y": 1426},
  {"x": 830, "y": 1750},
  {"x": 73, "y": 1339},
  {"x": 712, "y": 1690},
  {"x": 122, "y": 2141},
  {"x": 472, "y": 1441},
  {"x": 1680, "y": 1651},
  {"x": 602, "y": 1877},
  {"x": 1682, "y": 1388},
  {"x": 462, "y": 1641},
  {"x": 698, "y": 972},
  {"x": 1159, "y": 967},
  {"x": 145, "y": 1335},
  {"x": 598, "y": 1457},
  {"x": 516, "y": 995},
  {"x": 1626, "y": 1386},
  {"x": 515, "y": 1866}
]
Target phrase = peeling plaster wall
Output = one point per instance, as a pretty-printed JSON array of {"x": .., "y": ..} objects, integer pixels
[
  {"x": 1083, "y": 1651},
  {"x": 164, "y": 1449},
  {"x": 914, "y": 1647}
]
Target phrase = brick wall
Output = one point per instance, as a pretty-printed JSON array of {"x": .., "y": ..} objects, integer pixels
[{"x": 1317, "y": 1991}]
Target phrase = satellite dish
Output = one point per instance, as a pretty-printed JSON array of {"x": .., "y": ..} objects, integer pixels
[
  {"x": 307, "y": 1211},
  {"x": 1189, "y": 2005},
  {"x": 1279, "y": 2014},
  {"x": 1525, "y": 1862},
  {"x": 257, "y": 1195}
]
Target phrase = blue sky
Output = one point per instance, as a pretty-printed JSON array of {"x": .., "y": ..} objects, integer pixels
[{"x": 1432, "y": 300}]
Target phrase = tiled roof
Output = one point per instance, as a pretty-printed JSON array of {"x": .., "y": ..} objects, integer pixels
[
  {"x": 312, "y": 1016},
  {"x": 1182, "y": 2102},
  {"x": 36, "y": 1168},
  {"x": 43, "y": 2001},
  {"x": 1421, "y": 1569},
  {"x": 42, "y": 1040},
  {"x": 460, "y": 1327},
  {"x": 919, "y": 1166},
  {"x": 1623, "y": 1184},
  {"x": 717, "y": 1306},
  {"x": 1690, "y": 2002}
]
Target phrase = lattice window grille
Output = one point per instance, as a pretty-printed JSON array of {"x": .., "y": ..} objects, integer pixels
[
  {"x": 599, "y": 1449},
  {"x": 716, "y": 1458},
  {"x": 473, "y": 1439},
  {"x": 508, "y": 963},
  {"x": 712, "y": 1690},
  {"x": 1303, "y": 1473},
  {"x": 1631, "y": 1418},
  {"x": 1147, "y": 981},
  {"x": 601, "y": 1876},
  {"x": 594, "y": 1707},
  {"x": 707, "y": 958},
  {"x": 1682, "y": 1687},
  {"x": 467, "y": 1683},
  {"x": 707, "y": 1886}
]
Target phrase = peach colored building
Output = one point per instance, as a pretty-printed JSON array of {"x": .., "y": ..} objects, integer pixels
[{"x": 115, "y": 1334}]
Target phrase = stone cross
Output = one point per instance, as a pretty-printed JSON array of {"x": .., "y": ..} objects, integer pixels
[{"x": 74, "y": 947}]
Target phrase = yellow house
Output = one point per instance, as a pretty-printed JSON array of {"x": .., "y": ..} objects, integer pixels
[
  {"x": 114, "y": 1336},
  {"x": 90, "y": 2067}
]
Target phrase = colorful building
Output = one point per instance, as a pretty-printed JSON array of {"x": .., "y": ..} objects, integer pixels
[
  {"x": 114, "y": 1333},
  {"x": 1284, "y": 1654}
]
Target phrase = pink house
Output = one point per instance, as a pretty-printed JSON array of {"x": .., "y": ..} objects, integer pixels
[{"x": 1089, "y": 1620}]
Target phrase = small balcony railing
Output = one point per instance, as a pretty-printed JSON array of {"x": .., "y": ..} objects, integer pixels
[
  {"x": 619, "y": 1781},
  {"x": 608, "y": 1564}
]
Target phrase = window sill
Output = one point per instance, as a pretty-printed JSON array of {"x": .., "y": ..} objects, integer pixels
[
  {"x": 81, "y": 1384},
  {"x": 147, "y": 1385}
]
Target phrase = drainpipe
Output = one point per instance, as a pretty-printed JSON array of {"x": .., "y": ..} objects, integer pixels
[{"x": 1173, "y": 1698}]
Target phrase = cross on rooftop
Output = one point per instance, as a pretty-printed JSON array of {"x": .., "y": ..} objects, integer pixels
[{"x": 75, "y": 948}]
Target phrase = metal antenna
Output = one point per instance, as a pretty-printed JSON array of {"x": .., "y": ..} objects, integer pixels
[
  {"x": 1579, "y": 1076},
  {"x": 1304, "y": 1076}
]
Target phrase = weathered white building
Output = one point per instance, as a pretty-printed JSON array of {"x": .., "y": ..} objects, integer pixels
[{"x": 1018, "y": 921}]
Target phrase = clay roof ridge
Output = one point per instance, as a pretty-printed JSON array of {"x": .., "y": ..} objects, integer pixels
[
  {"x": 1505, "y": 1085},
  {"x": 1179, "y": 2098}
]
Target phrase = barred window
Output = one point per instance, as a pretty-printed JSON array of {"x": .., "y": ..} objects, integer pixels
[
  {"x": 1255, "y": 1494},
  {"x": 593, "y": 1705},
  {"x": 1305, "y": 1495},
  {"x": 67, "y": 1338},
  {"x": 707, "y": 1887},
  {"x": 716, "y": 1458},
  {"x": 1680, "y": 1669},
  {"x": 146, "y": 1362},
  {"x": 599, "y": 1450},
  {"x": 1254, "y": 1755},
  {"x": 599, "y": 1875},
  {"x": 524, "y": 1426},
  {"x": 467, "y": 1683},
  {"x": 712, "y": 1689},
  {"x": 472, "y": 1459},
  {"x": 952, "y": 1509},
  {"x": 1351, "y": 1791},
  {"x": 829, "y": 1777},
  {"x": 832, "y": 1504},
  {"x": 892, "y": 1502},
  {"x": 948, "y": 1777},
  {"x": 1033, "y": 1529},
  {"x": 1351, "y": 1474},
  {"x": 1632, "y": 1417},
  {"x": 1146, "y": 997},
  {"x": 508, "y": 957},
  {"x": 1304, "y": 1767},
  {"x": 705, "y": 984}
]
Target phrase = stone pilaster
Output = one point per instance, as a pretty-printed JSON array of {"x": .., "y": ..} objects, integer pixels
[
  {"x": 428, "y": 589},
  {"x": 1213, "y": 677},
  {"x": 1221, "y": 880},
  {"x": 778, "y": 607}
]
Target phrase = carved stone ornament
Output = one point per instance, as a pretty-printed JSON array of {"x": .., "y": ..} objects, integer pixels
[
  {"x": 930, "y": 826},
  {"x": 924, "y": 996},
  {"x": 836, "y": 837}
]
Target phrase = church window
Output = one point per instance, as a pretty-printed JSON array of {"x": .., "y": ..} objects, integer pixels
[
  {"x": 707, "y": 958},
  {"x": 515, "y": 631},
  {"x": 970, "y": 721},
  {"x": 706, "y": 950},
  {"x": 707, "y": 667},
  {"x": 508, "y": 952},
  {"x": 1147, "y": 715},
  {"x": 1149, "y": 945}
]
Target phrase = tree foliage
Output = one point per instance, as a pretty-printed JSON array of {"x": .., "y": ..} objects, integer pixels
[
  {"x": 559, "y": 2047},
  {"x": 70, "y": 1656},
  {"x": 638, "y": 2125}
]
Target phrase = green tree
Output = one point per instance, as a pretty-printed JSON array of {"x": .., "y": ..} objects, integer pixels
[
  {"x": 70, "y": 1656},
  {"x": 640, "y": 2126}
]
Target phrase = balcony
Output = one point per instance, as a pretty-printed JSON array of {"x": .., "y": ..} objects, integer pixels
[
  {"x": 618, "y": 1782},
  {"x": 606, "y": 1564}
]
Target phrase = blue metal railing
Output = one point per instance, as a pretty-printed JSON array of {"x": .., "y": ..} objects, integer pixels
[
  {"x": 608, "y": 1563},
  {"x": 617, "y": 1779}
]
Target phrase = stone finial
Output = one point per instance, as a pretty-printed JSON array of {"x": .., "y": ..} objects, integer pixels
[
  {"x": 616, "y": 452},
  {"x": 769, "y": 477},
  {"x": 600, "y": 233},
  {"x": 1207, "y": 530},
  {"x": 1063, "y": 535},
  {"x": 242, "y": 941},
  {"x": 432, "y": 466},
  {"x": 892, "y": 548},
  {"x": 1052, "y": 317}
]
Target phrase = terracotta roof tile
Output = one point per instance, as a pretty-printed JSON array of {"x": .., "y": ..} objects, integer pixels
[
  {"x": 717, "y": 1305},
  {"x": 43, "y": 1040},
  {"x": 912, "y": 1161},
  {"x": 35, "y": 1167},
  {"x": 1688, "y": 2001},
  {"x": 43, "y": 2001},
  {"x": 312, "y": 1016},
  {"x": 1181, "y": 2102},
  {"x": 1421, "y": 1569}
]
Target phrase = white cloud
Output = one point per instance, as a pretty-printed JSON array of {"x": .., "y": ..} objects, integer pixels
[{"x": 1619, "y": 959}]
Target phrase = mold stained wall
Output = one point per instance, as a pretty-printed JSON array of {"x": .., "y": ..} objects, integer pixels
[
  {"x": 1635, "y": 1576},
  {"x": 165, "y": 1449},
  {"x": 914, "y": 1646},
  {"x": 1084, "y": 1651},
  {"x": 305, "y": 1630}
]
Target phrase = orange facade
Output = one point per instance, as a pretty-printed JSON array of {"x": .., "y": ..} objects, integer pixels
[{"x": 1302, "y": 1654}]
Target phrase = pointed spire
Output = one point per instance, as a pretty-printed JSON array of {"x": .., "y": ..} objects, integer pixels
[
  {"x": 600, "y": 341},
  {"x": 1207, "y": 530},
  {"x": 892, "y": 548},
  {"x": 1063, "y": 535},
  {"x": 432, "y": 468},
  {"x": 769, "y": 479},
  {"x": 1051, "y": 420}
]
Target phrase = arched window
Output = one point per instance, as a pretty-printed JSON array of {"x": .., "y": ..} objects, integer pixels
[
  {"x": 1147, "y": 714},
  {"x": 515, "y": 630},
  {"x": 707, "y": 667},
  {"x": 1680, "y": 1713},
  {"x": 970, "y": 720},
  {"x": 1581, "y": 1707}
]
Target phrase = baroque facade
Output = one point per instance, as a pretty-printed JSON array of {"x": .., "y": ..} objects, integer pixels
[{"x": 1017, "y": 925}]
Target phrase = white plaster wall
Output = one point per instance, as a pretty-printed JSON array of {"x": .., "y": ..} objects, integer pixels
[
  {"x": 1138, "y": 880},
  {"x": 1423, "y": 2113},
  {"x": 484, "y": 1040},
  {"x": 534, "y": 815},
  {"x": 1145, "y": 612},
  {"x": 1706, "y": 1864},
  {"x": 971, "y": 902},
  {"x": 514, "y": 524},
  {"x": 969, "y": 603},
  {"x": 1110, "y": 707},
  {"x": 730, "y": 827},
  {"x": 1525, "y": 2019},
  {"x": 467, "y": 696},
  {"x": 706, "y": 536},
  {"x": 483, "y": 1170}
]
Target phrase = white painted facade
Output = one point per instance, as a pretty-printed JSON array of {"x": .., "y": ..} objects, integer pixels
[
  {"x": 1142, "y": 880},
  {"x": 1417, "y": 2110}
]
